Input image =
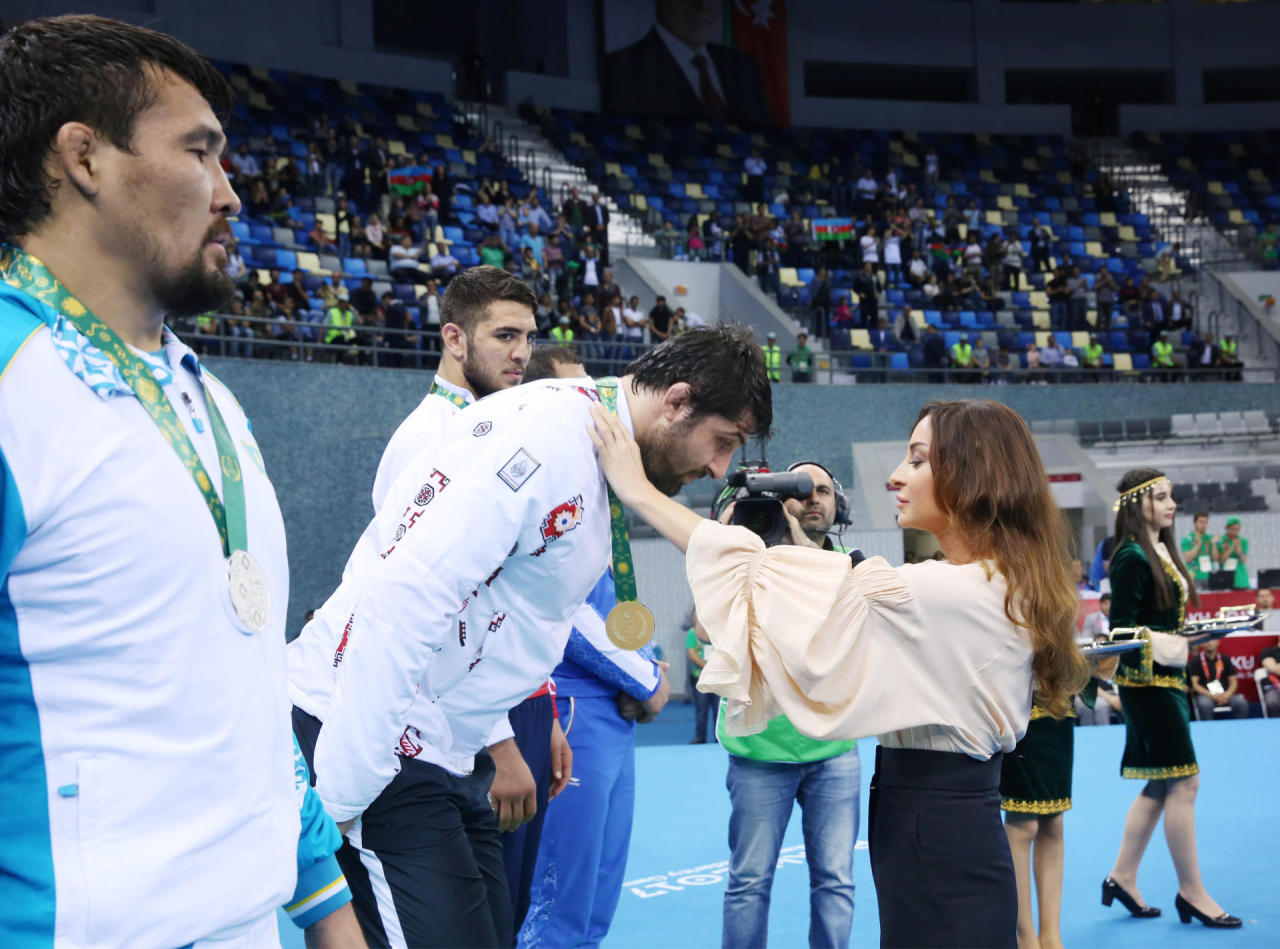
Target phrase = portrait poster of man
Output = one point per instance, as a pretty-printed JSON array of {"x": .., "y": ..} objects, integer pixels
[{"x": 709, "y": 60}]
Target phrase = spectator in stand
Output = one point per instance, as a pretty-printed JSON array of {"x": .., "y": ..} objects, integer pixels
[
  {"x": 800, "y": 359},
  {"x": 1059, "y": 300},
  {"x": 867, "y": 286},
  {"x": 575, "y": 213},
  {"x": 634, "y": 324},
  {"x": 487, "y": 213},
  {"x": 668, "y": 241},
  {"x": 1104, "y": 288},
  {"x": 507, "y": 228},
  {"x": 931, "y": 166},
  {"x": 1202, "y": 356},
  {"x": 363, "y": 300},
  {"x": 843, "y": 316},
  {"x": 239, "y": 331},
  {"x": 894, "y": 236},
  {"x": 1269, "y": 659},
  {"x": 246, "y": 166},
  {"x": 376, "y": 236},
  {"x": 1162, "y": 357},
  {"x": 443, "y": 265},
  {"x": 1051, "y": 354},
  {"x": 820, "y": 302},
  {"x": 1130, "y": 301},
  {"x": 754, "y": 168},
  {"x": 1106, "y": 703},
  {"x": 1198, "y": 550},
  {"x": 767, "y": 265},
  {"x": 1040, "y": 241},
  {"x": 1077, "y": 300},
  {"x": 353, "y": 171},
  {"x": 962, "y": 358},
  {"x": 1214, "y": 683},
  {"x": 1011, "y": 261},
  {"x": 973, "y": 219},
  {"x": 1229, "y": 355},
  {"x": 533, "y": 241},
  {"x": 952, "y": 218},
  {"x": 403, "y": 262},
  {"x": 598, "y": 225},
  {"x": 797, "y": 231},
  {"x": 991, "y": 300},
  {"x": 296, "y": 292},
  {"x": 1093, "y": 353},
  {"x": 933, "y": 352},
  {"x": 660, "y": 318},
  {"x": 320, "y": 239},
  {"x": 869, "y": 244},
  {"x": 1032, "y": 357},
  {"x": 866, "y": 190},
  {"x": 917, "y": 270},
  {"x": 1231, "y": 553},
  {"x": 882, "y": 338},
  {"x": 236, "y": 268},
  {"x": 995, "y": 258},
  {"x": 973, "y": 255},
  {"x": 761, "y": 225}
]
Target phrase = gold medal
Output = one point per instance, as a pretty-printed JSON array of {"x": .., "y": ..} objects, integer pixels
[{"x": 629, "y": 625}]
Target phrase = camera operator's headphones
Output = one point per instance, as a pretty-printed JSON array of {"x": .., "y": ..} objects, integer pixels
[{"x": 842, "y": 500}]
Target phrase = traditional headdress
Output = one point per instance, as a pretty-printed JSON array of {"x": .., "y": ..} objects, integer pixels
[{"x": 1135, "y": 494}]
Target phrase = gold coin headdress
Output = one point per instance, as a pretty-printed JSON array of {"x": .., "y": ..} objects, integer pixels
[{"x": 1137, "y": 492}]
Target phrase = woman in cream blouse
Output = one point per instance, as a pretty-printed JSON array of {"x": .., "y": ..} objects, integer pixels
[{"x": 938, "y": 659}]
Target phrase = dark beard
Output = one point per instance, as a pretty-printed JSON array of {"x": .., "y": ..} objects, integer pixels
[
  {"x": 194, "y": 290},
  {"x": 655, "y": 452},
  {"x": 475, "y": 382}
]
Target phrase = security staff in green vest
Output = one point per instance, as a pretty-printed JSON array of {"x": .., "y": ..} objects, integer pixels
[
  {"x": 962, "y": 357},
  {"x": 340, "y": 321},
  {"x": 1093, "y": 353},
  {"x": 1229, "y": 355},
  {"x": 1162, "y": 353},
  {"x": 562, "y": 332},
  {"x": 770, "y": 770},
  {"x": 773, "y": 358}
]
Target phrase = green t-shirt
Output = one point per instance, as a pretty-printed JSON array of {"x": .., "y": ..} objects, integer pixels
[
  {"x": 693, "y": 642},
  {"x": 801, "y": 359},
  {"x": 1198, "y": 567},
  {"x": 493, "y": 256},
  {"x": 780, "y": 741},
  {"x": 1242, "y": 572}
]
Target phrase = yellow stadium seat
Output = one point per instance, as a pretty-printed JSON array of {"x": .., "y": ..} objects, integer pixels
[
  {"x": 1040, "y": 320},
  {"x": 1030, "y": 164},
  {"x": 986, "y": 174},
  {"x": 424, "y": 109},
  {"x": 346, "y": 85},
  {"x": 310, "y": 262},
  {"x": 786, "y": 167},
  {"x": 895, "y": 145},
  {"x": 580, "y": 139},
  {"x": 724, "y": 150},
  {"x": 258, "y": 72},
  {"x": 264, "y": 276},
  {"x": 982, "y": 138},
  {"x": 859, "y": 339},
  {"x": 1185, "y": 163},
  {"x": 1107, "y": 219},
  {"x": 1237, "y": 149},
  {"x": 910, "y": 160},
  {"x": 1127, "y": 233},
  {"x": 758, "y": 140},
  {"x": 1042, "y": 339},
  {"x": 996, "y": 218},
  {"x": 917, "y": 319},
  {"x": 1039, "y": 300},
  {"x": 328, "y": 222},
  {"x": 1094, "y": 248},
  {"x": 1021, "y": 190},
  {"x": 1256, "y": 174},
  {"x": 282, "y": 161},
  {"x": 633, "y": 131},
  {"x": 1123, "y": 362},
  {"x": 407, "y": 122},
  {"x": 964, "y": 231},
  {"x": 396, "y": 147},
  {"x": 910, "y": 136},
  {"x": 1064, "y": 177},
  {"x": 1215, "y": 187},
  {"x": 1091, "y": 317},
  {"x": 1235, "y": 217},
  {"x": 1022, "y": 280},
  {"x": 788, "y": 277},
  {"x": 656, "y": 159},
  {"x": 613, "y": 168},
  {"x": 1005, "y": 203},
  {"x": 259, "y": 101},
  {"x": 1044, "y": 151},
  {"x": 445, "y": 141},
  {"x": 638, "y": 201},
  {"x": 1079, "y": 339},
  {"x": 240, "y": 82},
  {"x": 693, "y": 190},
  {"x": 468, "y": 156}
]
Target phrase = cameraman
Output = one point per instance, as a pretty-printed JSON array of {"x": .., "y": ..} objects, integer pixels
[{"x": 771, "y": 770}]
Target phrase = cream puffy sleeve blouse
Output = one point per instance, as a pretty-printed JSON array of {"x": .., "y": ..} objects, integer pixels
[{"x": 921, "y": 656}]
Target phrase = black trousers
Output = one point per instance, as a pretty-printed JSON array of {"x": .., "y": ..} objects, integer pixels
[
  {"x": 939, "y": 855},
  {"x": 531, "y": 722},
  {"x": 425, "y": 863}
]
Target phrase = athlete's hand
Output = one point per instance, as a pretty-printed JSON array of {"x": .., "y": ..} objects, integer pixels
[
  {"x": 655, "y": 703},
  {"x": 619, "y": 455},
  {"x": 513, "y": 794},
  {"x": 561, "y": 759}
]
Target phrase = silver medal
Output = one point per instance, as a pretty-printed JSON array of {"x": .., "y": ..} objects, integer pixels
[{"x": 249, "y": 594}]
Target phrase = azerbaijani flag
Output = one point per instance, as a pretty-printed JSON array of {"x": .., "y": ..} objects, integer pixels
[
  {"x": 833, "y": 228},
  {"x": 407, "y": 181}
]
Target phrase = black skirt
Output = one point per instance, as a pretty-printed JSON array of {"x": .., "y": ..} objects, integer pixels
[{"x": 939, "y": 856}]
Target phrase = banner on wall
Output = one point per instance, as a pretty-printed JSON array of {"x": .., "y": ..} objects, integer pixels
[{"x": 709, "y": 60}]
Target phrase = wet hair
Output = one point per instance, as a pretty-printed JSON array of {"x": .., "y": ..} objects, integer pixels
[
  {"x": 80, "y": 69},
  {"x": 1131, "y": 521},
  {"x": 469, "y": 295},
  {"x": 545, "y": 359},
  {"x": 724, "y": 368},
  {"x": 989, "y": 481}
]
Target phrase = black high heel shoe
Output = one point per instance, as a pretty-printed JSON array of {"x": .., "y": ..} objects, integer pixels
[
  {"x": 1186, "y": 911},
  {"x": 1113, "y": 890}
]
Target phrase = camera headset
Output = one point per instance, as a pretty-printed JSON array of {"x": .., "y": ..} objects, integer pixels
[{"x": 843, "y": 518}]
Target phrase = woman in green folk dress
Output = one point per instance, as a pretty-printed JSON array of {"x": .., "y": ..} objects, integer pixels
[{"x": 1150, "y": 588}]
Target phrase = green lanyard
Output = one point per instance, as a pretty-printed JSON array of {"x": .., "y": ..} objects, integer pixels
[
  {"x": 624, "y": 572},
  {"x": 437, "y": 389},
  {"x": 30, "y": 275}
]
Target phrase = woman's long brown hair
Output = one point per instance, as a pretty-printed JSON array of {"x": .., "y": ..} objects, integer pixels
[{"x": 989, "y": 481}]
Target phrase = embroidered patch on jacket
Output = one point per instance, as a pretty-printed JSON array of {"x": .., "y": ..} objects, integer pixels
[
  {"x": 484, "y": 428},
  {"x": 518, "y": 469},
  {"x": 562, "y": 518}
]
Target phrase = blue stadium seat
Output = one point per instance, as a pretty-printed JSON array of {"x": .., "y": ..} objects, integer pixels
[{"x": 898, "y": 361}]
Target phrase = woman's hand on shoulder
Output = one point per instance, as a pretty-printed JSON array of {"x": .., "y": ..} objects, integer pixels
[{"x": 619, "y": 455}]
